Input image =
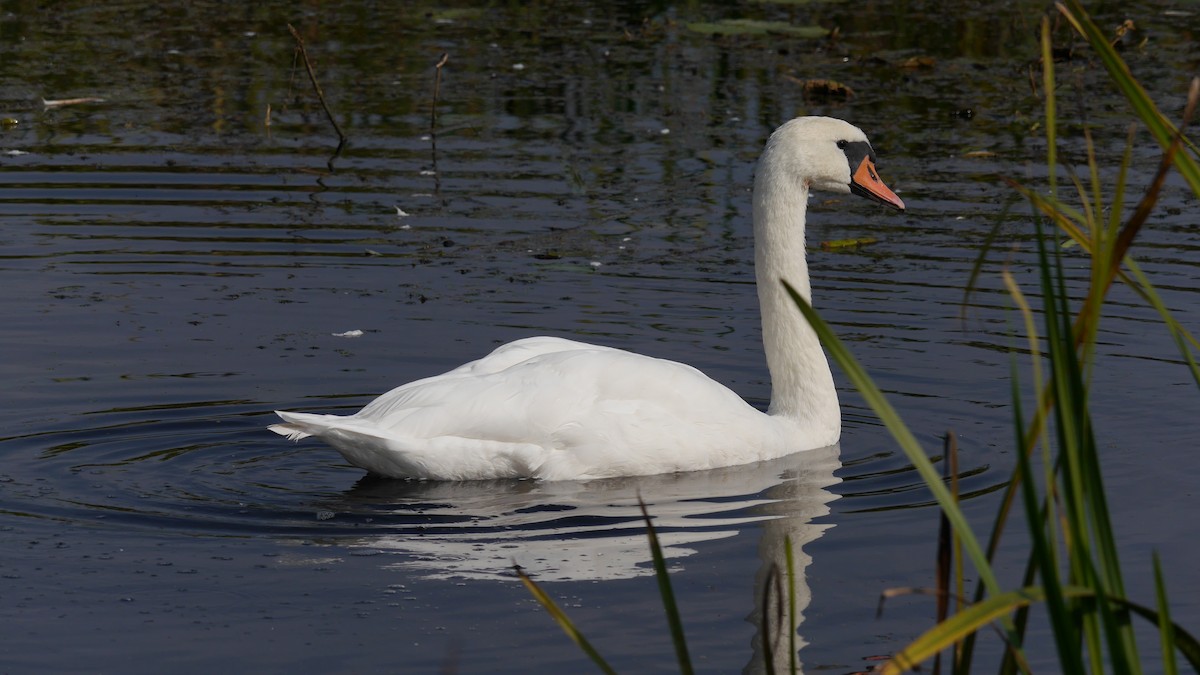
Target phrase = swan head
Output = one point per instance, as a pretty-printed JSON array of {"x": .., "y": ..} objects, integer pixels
[{"x": 824, "y": 153}]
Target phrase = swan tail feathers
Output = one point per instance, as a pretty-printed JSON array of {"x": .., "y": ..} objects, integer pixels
[
  {"x": 292, "y": 433},
  {"x": 297, "y": 426},
  {"x": 331, "y": 428}
]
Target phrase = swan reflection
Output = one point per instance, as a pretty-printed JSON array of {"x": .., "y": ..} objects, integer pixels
[{"x": 593, "y": 530}]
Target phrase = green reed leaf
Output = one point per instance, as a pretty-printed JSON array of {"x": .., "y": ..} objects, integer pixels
[
  {"x": 560, "y": 617},
  {"x": 668, "y": 595}
]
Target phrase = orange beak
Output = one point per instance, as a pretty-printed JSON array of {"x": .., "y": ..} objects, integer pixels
[{"x": 866, "y": 183}]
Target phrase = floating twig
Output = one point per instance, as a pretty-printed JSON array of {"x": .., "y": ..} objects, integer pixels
[
  {"x": 839, "y": 244},
  {"x": 58, "y": 103},
  {"x": 437, "y": 88},
  {"x": 312, "y": 76}
]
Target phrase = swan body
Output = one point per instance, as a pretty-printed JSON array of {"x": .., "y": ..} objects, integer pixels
[{"x": 556, "y": 409}]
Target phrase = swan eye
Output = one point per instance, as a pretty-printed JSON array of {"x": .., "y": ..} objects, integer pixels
[{"x": 842, "y": 144}]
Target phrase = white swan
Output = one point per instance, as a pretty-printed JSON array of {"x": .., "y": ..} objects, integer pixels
[{"x": 556, "y": 409}]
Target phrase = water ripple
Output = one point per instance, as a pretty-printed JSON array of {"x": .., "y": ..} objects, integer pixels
[{"x": 208, "y": 468}]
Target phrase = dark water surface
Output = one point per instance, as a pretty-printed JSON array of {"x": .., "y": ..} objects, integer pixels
[{"x": 173, "y": 270}]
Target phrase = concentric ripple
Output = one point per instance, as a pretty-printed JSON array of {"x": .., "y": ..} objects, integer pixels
[{"x": 209, "y": 469}]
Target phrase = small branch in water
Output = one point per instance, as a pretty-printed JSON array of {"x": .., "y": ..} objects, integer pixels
[
  {"x": 437, "y": 88},
  {"x": 52, "y": 103},
  {"x": 312, "y": 76}
]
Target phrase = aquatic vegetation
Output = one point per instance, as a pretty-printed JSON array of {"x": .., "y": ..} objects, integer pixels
[{"x": 1073, "y": 569}]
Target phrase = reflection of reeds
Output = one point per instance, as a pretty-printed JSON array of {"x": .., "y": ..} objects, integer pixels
[{"x": 1073, "y": 567}]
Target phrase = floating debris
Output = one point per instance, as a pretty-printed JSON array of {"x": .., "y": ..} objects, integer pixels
[
  {"x": 58, "y": 103},
  {"x": 823, "y": 90},
  {"x": 918, "y": 62},
  {"x": 839, "y": 244}
]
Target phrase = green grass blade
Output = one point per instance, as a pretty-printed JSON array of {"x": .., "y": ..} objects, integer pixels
[
  {"x": 1065, "y": 382},
  {"x": 1010, "y": 664},
  {"x": 1062, "y": 618},
  {"x": 1184, "y": 339},
  {"x": 1118, "y": 201},
  {"x": 668, "y": 595},
  {"x": 905, "y": 439},
  {"x": 891, "y": 419},
  {"x": 1051, "y": 103},
  {"x": 1165, "y": 633},
  {"x": 1185, "y": 643},
  {"x": 560, "y": 617},
  {"x": 984, "y": 250}
]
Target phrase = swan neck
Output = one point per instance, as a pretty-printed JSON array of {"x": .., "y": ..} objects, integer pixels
[{"x": 802, "y": 385}]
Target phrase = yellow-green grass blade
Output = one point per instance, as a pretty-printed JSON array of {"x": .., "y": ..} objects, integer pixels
[
  {"x": 905, "y": 439},
  {"x": 959, "y": 627},
  {"x": 1140, "y": 284},
  {"x": 1184, "y": 339},
  {"x": 1165, "y": 633},
  {"x": 560, "y": 617},
  {"x": 1186, "y": 644},
  {"x": 668, "y": 595},
  {"x": 980, "y": 614},
  {"x": 1051, "y": 94}
]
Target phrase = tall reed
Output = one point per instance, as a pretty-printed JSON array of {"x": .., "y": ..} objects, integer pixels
[{"x": 1073, "y": 569}]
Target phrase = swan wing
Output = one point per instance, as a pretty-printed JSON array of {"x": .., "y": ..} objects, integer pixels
[{"x": 550, "y": 408}]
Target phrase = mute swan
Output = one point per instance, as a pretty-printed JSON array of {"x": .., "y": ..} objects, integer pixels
[{"x": 555, "y": 409}]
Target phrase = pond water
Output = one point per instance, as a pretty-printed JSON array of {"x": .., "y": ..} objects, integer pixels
[{"x": 175, "y": 269}]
